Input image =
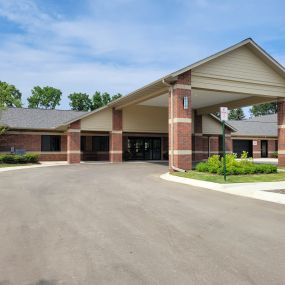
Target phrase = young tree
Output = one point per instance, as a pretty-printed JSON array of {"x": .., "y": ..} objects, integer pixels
[
  {"x": 263, "y": 109},
  {"x": 46, "y": 97},
  {"x": 96, "y": 101},
  {"x": 10, "y": 96},
  {"x": 236, "y": 114},
  {"x": 79, "y": 102}
]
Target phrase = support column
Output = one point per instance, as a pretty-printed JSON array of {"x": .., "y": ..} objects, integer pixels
[
  {"x": 116, "y": 137},
  {"x": 73, "y": 143},
  {"x": 281, "y": 131},
  {"x": 180, "y": 124}
]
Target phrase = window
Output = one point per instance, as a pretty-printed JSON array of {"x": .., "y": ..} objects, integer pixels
[
  {"x": 51, "y": 143},
  {"x": 100, "y": 143},
  {"x": 83, "y": 143}
]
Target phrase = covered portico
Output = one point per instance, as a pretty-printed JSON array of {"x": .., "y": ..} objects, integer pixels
[{"x": 239, "y": 76}]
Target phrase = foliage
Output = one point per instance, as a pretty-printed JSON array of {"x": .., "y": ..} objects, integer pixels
[
  {"x": 116, "y": 96},
  {"x": 99, "y": 99},
  {"x": 236, "y": 114},
  {"x": 46, "y": 97},
  {"x": 275, "y": 154},
  {"x": 10, "y": 96},
  {"x": 243, "y": 166},
  {"x": 273, "y": 177},
  {"x": 19, "y": 159},
  {"x": 264, "y": 109},
  {"x": 79, "y": 101}
]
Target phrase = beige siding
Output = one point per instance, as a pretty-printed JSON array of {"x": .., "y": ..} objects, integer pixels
[
  {"x": 141, "y": 118},
  {"x": 239, "y": 71},
  {"x": 99, "y": 121},
  {"x": 210, "y": 126}
]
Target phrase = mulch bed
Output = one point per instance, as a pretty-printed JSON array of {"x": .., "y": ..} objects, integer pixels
[{"x": 277, "y": 191}]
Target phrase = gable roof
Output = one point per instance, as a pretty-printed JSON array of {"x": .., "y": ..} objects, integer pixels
[
  {"x": 263, "y": 126},
  {"x": 161, "y": 83},
  {"x": 40, "y": 119}
]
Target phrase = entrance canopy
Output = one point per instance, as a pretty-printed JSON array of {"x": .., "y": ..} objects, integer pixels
[{"x": 239, "y": 76}]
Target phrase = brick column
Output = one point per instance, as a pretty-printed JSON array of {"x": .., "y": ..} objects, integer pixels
[
  {"x": 73, "y": 143},
  {"x": 116, "y": 137},
  {"x": 256, "y": 149},
  {"x": 281, "y": 131},
  {"x": 180, "y": 141}
]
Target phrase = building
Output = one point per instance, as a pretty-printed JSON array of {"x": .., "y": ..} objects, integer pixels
[
  {"x": 169, "y": 118},
  {"x": 258, "y": 136}
]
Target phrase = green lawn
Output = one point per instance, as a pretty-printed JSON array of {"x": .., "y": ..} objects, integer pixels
[
  {"x": 280, "y": 176},
  {"x": 2, "y": 165}
]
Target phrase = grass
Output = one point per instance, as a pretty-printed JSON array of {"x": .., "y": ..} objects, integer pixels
[
  {"x": 280, "y": 176},
  {"x": 2, "y": 165}
]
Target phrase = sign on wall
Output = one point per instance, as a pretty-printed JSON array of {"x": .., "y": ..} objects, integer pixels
[{"x": 254, "y": 142}]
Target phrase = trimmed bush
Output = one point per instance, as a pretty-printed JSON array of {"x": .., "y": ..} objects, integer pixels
[
  {"x": 244, "y": 166},
  {"x": 19, "y": 159}
]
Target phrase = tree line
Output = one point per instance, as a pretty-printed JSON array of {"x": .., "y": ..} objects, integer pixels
[{"x": 50, "y": 97}]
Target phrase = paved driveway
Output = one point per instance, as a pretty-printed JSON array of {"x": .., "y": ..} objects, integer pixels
[{"x": 121, "y": 224}]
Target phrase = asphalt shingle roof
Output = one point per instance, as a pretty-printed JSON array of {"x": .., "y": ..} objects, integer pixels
[
  {"x": 22, "y": 118},
  {"x": 264, "y": 126}
]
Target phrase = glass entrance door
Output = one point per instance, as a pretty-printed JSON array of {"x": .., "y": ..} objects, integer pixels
[{"x": 144, "y": 148}]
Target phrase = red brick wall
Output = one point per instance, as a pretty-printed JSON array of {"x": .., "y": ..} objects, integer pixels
[
  {"x": 281, "y": 132},
  {"x": 116, "y": 137},
  {"x": 271, "y": 147},
  {"x": 73, "y": 143},
  {"x": 182, "y": 131},
  {"x": 31, "y": 143},
  {"x": 256, "y": 149}
]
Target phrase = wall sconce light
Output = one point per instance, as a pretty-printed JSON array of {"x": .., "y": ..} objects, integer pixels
[{"x": 185, "y": 103}]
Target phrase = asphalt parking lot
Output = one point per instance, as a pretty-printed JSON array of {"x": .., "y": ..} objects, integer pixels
[{"x": 122, "y": 224}]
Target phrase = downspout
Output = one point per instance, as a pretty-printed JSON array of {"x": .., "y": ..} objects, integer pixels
[{"x": 172, "y": 127}]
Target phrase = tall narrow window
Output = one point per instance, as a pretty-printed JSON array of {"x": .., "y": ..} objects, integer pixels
[{"x": 51, "y": 143}]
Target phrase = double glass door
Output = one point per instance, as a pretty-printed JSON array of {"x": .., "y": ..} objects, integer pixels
[{"x": 144, "y": 148}]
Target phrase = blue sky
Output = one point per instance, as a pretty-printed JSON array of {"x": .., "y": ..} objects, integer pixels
[{"x": 120, "y": 45}]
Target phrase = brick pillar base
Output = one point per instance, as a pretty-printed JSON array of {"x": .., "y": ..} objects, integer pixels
[
  {"x": 73, "y": 143},
  {"x": 281, "y": 132},
  {"x": 180, "y": 141},
  {"x": 116, "y": 137}
]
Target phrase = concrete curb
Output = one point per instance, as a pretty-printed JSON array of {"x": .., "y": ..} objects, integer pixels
[
  {"x": 250, "y": 190},
  {"x": 13, "y": 168}
]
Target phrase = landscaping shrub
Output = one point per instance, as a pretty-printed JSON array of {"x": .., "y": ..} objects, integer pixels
[
  {"x": 244, "y": 166},
  {"x": 19, "y": 159},
  {"x": 275, "y": 154}
]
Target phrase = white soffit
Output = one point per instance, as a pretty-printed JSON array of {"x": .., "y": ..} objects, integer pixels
[{"x": 200, "y": 98}]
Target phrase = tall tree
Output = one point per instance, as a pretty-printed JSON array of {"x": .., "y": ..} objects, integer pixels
[
  {"x": 264, "y": 109},
  {"x": 236, "y": 114},
  {"x": 46, "y": 97},
  {"x": 79, "y": 102},
  {"x": 101, "y": 99},
  {"x": 10, "y": 96},
  {"x": 106, "y": 98},
  {"x": 96, "y": 101}
]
